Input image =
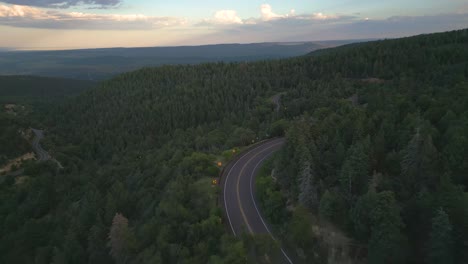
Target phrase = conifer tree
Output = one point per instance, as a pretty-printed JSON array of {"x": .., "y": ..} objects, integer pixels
[{"x": 441, "y": 241}]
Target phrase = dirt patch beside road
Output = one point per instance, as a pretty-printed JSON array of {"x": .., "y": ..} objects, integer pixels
[{"x": 17, "y": 162}]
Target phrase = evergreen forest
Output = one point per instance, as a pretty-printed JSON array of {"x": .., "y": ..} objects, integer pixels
[{"x": 376, "y": 151}]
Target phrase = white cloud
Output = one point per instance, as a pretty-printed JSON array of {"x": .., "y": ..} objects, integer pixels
[
  {"x": 268, "y": 14},
  {"x": 228, "y": 26},
  {"x": 306, "y": 27},
  {"x": 22, "y": 11},
  {"x": 227, "y": 17},
  {"x": 25, "y": 16},
  {"x": 321, "y": 16}
]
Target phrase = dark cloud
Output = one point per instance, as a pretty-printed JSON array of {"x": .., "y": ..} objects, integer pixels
[{"x": 65, "y": 3}]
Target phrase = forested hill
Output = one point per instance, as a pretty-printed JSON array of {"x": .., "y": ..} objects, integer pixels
[
  {"x": 21, "y": 88},
  {"x": 98, "y": 64},
  {"x": 376, "y": 147},
  {"x": 381, "y": 150},
  {"x": 395, "y": 58}
]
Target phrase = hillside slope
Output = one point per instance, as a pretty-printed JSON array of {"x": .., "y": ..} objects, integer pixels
[
  {"x": 98, "y": 64},
  {"x": 141, "y": 150},
  {"x": 18, "y": 88}
]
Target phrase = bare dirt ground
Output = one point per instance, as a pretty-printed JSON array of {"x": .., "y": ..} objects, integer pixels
[
  {"x": 13, "y": 109},
  {"x": 17, "y": 162}
]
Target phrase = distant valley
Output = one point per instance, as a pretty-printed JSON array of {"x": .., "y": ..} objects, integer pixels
[{"x": 99, "y": 64}]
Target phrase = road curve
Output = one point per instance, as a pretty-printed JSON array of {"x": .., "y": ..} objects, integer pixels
[
  {"x": 277, "y": 101},
  {"x": 238, "y": 185},
  {"x": 42, "y": 155}
]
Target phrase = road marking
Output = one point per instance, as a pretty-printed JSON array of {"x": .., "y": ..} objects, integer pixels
[
  {"x": 238, "y": 181},
  {"x": 256, "y": 208},
  {"x": 225, "y": 184}
]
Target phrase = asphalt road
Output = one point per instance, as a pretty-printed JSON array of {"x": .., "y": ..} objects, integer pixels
[
  {"x": 277, "y": 101},
  {"x": 42, "y": 155},
  {"x": 238, "y": 184}
]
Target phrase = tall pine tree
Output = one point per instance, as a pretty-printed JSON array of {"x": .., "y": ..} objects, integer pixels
[{"x": 441, "y": 243}]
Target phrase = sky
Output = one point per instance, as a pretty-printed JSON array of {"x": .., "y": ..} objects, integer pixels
[{"x": 74, "y": 24}]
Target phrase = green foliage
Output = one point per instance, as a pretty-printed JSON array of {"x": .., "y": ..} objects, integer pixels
[
  {"x": 454, "y": 201},
  {"x": 300, "y": 233},
  {"x": 242, "y": 137},
  {"x": 13, "y": 144},
  {"x": 272, "y": 201},
  {"x": 20, "y": 89},
  {"x": 361, "y": 216},
  {"x": 387, "y": 243},
  {"x": 278, "y": 128},
  {"x": 332, "y": 208},
  {"x": 418, "y": 163},
  {"x": 383, "y": 126},
  {"x": 441, "y": 242},
  {"x": 354, "y": 175},
  {"x": 378, "y": 153},
  {"x": 263, "y": 249}
]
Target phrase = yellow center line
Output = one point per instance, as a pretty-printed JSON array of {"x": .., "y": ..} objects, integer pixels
[{"x": 238, "y": 181}]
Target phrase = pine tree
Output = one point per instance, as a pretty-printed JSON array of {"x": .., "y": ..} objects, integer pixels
[
  {"x": 72, "y": 248},
  {"x": 97, "y": 251},
  {"x": 361, "y": 215},
  {"x": 332, "y": 208},
  {"x": 58, "y": 257},
  {"x": 354, "y": 175},
  {"x": 386, "y": 244},
  {"x": 441, "y": 242},
  {"x": 418, "y": 163}
]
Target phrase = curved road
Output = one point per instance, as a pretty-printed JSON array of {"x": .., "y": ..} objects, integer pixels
[
  {"x": 277, "y": 101},
  {"x": 238, "y": 186},
  {"x": 42, "y": 155}
]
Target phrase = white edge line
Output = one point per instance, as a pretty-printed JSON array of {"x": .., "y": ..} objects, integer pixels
[
  {"x": 225, "y": 184},
  {"x": 256, "y": 208}
]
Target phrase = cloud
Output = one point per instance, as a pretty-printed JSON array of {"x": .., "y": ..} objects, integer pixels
[
  {"x": 25, "y": 16},
  {"x": 22, "y": 12},
  {"x": 65, "y": 3},
  {"x": 400, "y": 26},
  {"x": 312, "y": 27},
  {"x": 268, "y": 14},
  {"x": 227, "y": 26},
  {"x": 230, "y": 17},
  {"x": 227, "y": 17},
  {"x": 321, "y": 16}
]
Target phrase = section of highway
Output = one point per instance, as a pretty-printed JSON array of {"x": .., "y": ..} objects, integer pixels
[
  {"x": 238, "y": 185},
  {"x": 42, "y": 155}
]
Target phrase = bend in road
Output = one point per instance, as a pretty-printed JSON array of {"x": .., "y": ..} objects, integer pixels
[
  {"x": 42, "y": 155},
  {"x": 238, "y": 191},
  {"x": 277, "y": 101}
]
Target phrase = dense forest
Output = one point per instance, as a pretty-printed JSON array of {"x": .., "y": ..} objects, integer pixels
[
  {"x": 376, "y": 147},
  {"x": 27, "y": 89},
  {"x": 13, "y": 144}
]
